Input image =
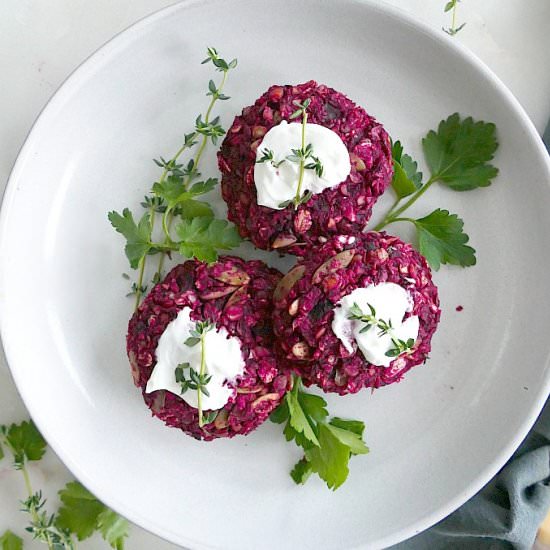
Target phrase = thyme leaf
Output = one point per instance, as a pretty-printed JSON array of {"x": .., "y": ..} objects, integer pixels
[{"x": 268, "y": 156}]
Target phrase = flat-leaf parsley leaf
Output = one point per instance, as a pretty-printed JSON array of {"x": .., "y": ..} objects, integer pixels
[
  {"x": 458, "y": 154},
  {"x": 79, "y": 510},
  {"x": 406, "y": 177},
  {"x": 82, "y": 514},
  {"x": 25, "y": 442},
  {"x": 137, "y": 235},
  {"x": 113, "y": 528},
  {"x": 10, "y": 541},
  {"x": 202, "y": 237},
  {"x": 195, "y": 209},
  {"x": 338, "y": 441},
  {"x": 442, "y": 241},
  {"x": 327, "y": 446}
]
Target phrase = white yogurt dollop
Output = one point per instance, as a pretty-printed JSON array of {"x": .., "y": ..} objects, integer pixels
[
  {"x": 277, "y": 184},
  {"x": 224, "y": 361},
  {"x": 390, "y": 302}
]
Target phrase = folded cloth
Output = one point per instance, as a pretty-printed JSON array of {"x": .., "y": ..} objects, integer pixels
[{"x": 507, "y": 512}]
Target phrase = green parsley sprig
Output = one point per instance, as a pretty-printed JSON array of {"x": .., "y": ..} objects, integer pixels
[
  {"x": 327, "y": 444},
  {"x": 458, "y": 155},
  {"x": 174, "y": 195},
  {"x": 453, "y": 29},
  {"x": 80, "y": 515},
  {"x": 385, "y": 327}
]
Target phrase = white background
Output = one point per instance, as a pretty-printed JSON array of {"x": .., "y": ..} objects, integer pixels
[{"x": 42, "y": 41}]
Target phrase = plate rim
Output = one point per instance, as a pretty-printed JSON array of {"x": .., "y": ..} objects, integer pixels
[{"x": 86, "y": 66}]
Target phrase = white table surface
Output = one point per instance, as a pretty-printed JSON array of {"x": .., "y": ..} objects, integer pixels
[{"x": 42, "y": 41}]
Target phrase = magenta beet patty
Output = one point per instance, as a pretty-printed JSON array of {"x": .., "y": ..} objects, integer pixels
[
  {"x": 342, "y": 209},
  {"x": 232, "y": 294},
  {"x": 306, "y": 297}
]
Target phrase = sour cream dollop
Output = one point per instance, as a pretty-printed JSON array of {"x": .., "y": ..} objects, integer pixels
[
  {"x": 224, "y": 362},
  {"x": 390, "y": 302},
  {"x": 277, "y": 184}
]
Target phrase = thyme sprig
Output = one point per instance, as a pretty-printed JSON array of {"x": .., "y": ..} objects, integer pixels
[
  {"x": 175, "y": 194},
  {"x": 303, "y": 199},
  {"x": 155, "y": 203},
  {"x": 201, "y": 328},
  {"x": 134, "y": 289},
  {"x": 42, "y": 524},
  {"x": 80, "y": 514},
  {"x": 196, "y": 381},
  {"x": 217, "y": 61},
  {"x": 302, "y": 155},
  {"x": 207, "y": 129},
  {"x": 453, "y": 29},
  {"x": 25, "y": 444},
  {"x": 385, "y": 327}
]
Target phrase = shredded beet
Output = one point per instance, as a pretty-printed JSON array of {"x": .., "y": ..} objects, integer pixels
[
  {"x": 236, "y": 295},
  {"x": 306, "y": 296},
  {"x": 343, "y": 209}
]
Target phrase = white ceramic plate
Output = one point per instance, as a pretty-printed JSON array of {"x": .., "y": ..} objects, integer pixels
[{"x": 436, "y": 438}]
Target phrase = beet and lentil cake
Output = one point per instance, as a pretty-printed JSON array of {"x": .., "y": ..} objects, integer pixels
[
  {"x": 343, "y": 209},
  {"x": 233, "y": 294},
  {"x": 304, "y": 309}
]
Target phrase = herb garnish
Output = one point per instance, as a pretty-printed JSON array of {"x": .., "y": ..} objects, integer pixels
[
  {"x": 10, "y": 541},
  {"x": 267, "y": 156},
  {"x": 458, "y": 155},
  {"x": 453, "y": 29},
  {"x": 385, "y": 327},
  {"x": 328, "y": 445},
  {"x": 80, "y": 514},
  {"x": 197, "y": 380},
  {"x": 198, "y": 233},
  {"x": 302, "y": 156}
]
